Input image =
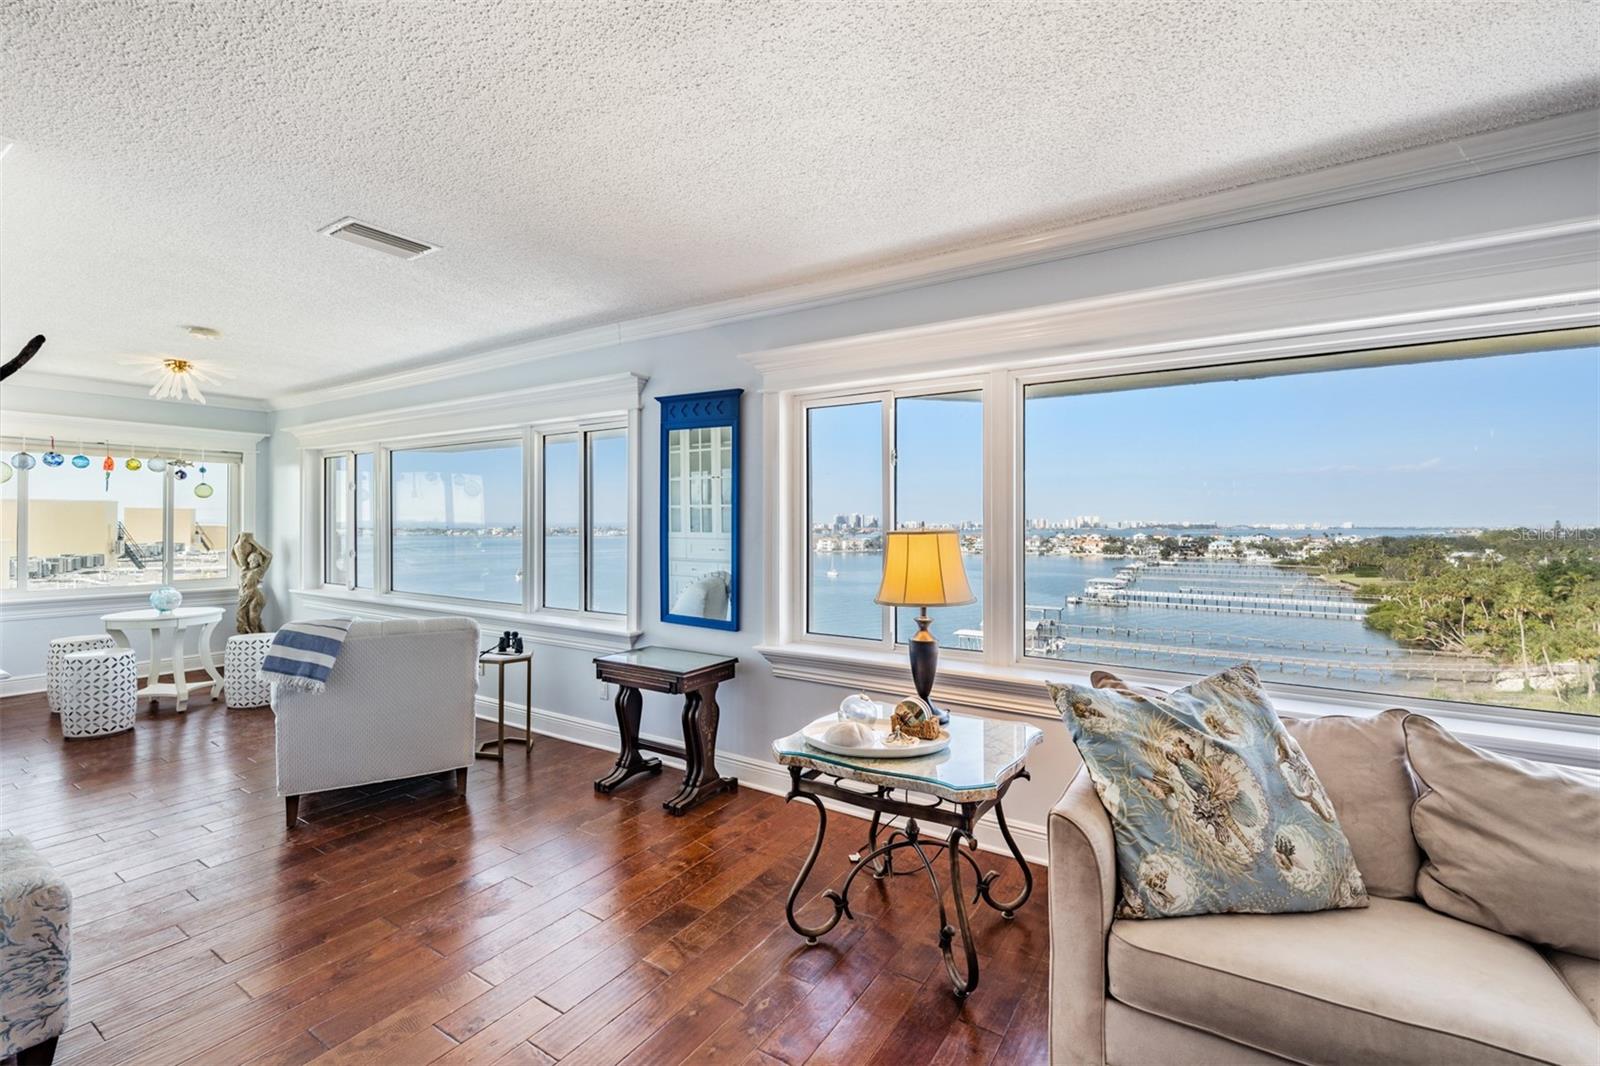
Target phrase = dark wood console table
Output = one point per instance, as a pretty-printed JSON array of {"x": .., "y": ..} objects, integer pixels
[{"x": 669, "y": 670}]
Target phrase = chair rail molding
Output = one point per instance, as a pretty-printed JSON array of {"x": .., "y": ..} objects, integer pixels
[
  {"x": 1544, "y": 141},
  {"x": 1523, "y": 280}
]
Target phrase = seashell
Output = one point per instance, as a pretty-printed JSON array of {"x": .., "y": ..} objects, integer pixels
[{"x": 848, "y": 735}]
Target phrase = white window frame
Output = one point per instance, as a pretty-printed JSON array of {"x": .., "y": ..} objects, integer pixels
[
  {"x": 1498, "y": 285},
  {"x": 474, "y": 422},
  {"x": 26, "y": 592},
  {"x": 889, "y": 399},
  {"x": 1003, "y": 560}
]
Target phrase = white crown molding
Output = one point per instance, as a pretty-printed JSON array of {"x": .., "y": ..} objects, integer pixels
[
  {"x": 134, "y": 433},
  {"x": 1542, "y": 277},
  {"x": 1547, "y": 140},
  {"x": 131, "y": 391},
  {"x": 540, "y": 405}
]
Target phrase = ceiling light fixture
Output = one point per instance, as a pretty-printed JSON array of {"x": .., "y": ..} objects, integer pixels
[
  {"x": 205, "y": 333},
  {"x": 178, "y": 379}
]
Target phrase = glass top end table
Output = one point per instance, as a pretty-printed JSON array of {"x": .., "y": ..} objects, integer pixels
[{"x": 960, "y": 785}]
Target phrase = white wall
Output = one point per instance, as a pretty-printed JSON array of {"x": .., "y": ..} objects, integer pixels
[
  {"x": 757, "y": 706},
  {"x": 26, "y": 630}
]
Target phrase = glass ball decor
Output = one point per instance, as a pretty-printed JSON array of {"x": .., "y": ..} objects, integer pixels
[
  {"x": 53, "y": 458},
  {"x": 858, "y": 707},
  {"x": 24, "y": 461},
  {"x": 133, "y": 463},
  {"x": 166, "y": 598},
  {"x": 155, "y": 465},
  {"x": 5, "y": 471},
  {"x": 203, "y": 490},
  {"x": 180, "y": 473},
  {"x": 81, "y": 462}
]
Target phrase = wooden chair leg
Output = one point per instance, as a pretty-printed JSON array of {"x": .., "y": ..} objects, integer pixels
[
  {"x": 461, "y": 781},
  {"x": 40, "y": 1054},
  {"x": 291, "y": 810}
]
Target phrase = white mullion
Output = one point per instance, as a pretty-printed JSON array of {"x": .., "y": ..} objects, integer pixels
[
  {"x": 351, "y": 496},
  {"x": 530, "y": 592},
  {"x": 1003, "y": 592},
  {"x": 167, "y": 503},
  {"x": 887, "y": 517},
  {"x": 22, "y": 530},
  {"x": 585, "y": 581}
]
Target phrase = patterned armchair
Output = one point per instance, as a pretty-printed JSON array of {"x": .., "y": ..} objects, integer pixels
[{"x": 35, "y": 949}]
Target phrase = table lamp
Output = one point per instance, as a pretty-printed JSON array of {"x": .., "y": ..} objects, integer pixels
[{"x": 922, "y": 568}]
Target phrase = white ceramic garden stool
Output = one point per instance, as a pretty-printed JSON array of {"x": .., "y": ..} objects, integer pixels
[
  {"x": 54, "y": 675},
  {"x": 100, "y": 695},
  {"x": 241, "y": 670}
]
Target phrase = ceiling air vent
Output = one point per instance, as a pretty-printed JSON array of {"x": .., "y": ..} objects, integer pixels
[{"x": 348, "y": 229}]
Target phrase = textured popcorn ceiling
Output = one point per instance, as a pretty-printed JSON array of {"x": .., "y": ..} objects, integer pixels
[{"x": 585, "y": 163}]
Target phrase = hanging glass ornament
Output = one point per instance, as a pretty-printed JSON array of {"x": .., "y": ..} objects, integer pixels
[
  {"x": 133, "y": 463},
  {"x": 155, "y": 464},
  {"x": 108, "y": 464},
  {"x": 5, "y": 471},
  {"x": 53, "y": 457},
  {"x": 80, "y": 461},
  {"x": 24, "y": 459},
  {"x": 180, "y": 473},
  {"x": 203, "y": 490}
]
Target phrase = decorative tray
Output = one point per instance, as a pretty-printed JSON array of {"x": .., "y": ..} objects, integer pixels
[{"x": 881, "y": 747}]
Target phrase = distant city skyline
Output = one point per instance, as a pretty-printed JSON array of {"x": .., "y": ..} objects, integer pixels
[{"x": 1494, "y": 442}]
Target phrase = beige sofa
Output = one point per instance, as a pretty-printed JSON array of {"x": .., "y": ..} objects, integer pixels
[{"x": 1396, "y": 982}]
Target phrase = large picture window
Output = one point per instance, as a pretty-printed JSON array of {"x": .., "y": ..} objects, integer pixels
[
  {"x": 456, "y": 515},
  {"x": 1418, "y": 524},
  {"x": 119, "y": 521},
  {"x": 1425, "y": 529},
  {"x": 449, "y": 520}
]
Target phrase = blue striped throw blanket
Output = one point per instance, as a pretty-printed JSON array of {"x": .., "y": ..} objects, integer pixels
[{"x": 303, "y": 653}]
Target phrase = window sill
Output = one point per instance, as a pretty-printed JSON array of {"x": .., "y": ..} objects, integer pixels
[
  {"x": 585, "y": 633},
  {"x": 36, "y": 604},
  {"x": 1020, "y": 690}
]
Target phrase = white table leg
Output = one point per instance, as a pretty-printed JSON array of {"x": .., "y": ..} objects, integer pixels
[
  {"x": 207, "y": 660},
  {"x": 180, "y": 681}
]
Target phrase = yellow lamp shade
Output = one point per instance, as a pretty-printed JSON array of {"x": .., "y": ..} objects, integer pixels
[{"x": 922, "y": 568}]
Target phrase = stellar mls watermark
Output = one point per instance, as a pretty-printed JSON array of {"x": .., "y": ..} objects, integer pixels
[{"x": 1556, "y": 532}]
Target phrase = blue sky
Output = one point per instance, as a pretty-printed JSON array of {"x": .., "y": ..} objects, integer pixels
[{"x": 1498, "y": 441}]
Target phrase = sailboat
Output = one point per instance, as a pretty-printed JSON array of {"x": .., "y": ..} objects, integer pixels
[{"x": 833, "y": 571}]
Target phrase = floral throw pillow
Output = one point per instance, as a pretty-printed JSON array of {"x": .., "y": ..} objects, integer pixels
[{"x": 1215, "y": 807}]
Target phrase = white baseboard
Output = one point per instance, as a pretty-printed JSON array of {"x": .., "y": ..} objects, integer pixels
[
  {"x": 24, "y": 684},
  {"x": 763, "y": 775}
]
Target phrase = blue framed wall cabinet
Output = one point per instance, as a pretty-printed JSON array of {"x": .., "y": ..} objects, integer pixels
[{"x": 700, "y": 509}]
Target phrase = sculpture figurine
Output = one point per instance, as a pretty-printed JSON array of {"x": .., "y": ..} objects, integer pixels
[
  {"x": 252, "y": 559},
  {"x": 912, "y": 720}
]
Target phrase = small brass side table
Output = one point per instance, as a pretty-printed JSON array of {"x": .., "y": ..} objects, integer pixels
[{"x": 498, "y": 745}]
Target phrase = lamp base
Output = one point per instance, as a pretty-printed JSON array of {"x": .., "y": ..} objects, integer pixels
[{"x": 924, "y": 651}]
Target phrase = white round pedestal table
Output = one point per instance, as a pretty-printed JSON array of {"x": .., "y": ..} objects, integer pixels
[{"x": 166, "y": 629}]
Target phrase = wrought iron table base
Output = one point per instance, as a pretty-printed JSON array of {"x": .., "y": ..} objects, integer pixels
[{"x": 962, "y": 818}]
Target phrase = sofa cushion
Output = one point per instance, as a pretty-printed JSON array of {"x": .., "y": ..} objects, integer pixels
[
  {"x": 1214, "y": 806},
  {"x": 1361, "y": 761},
  {"x": 1510, "y": 844},
  {"x": 1393, "y": 983},
  {"x": 1582, "y": 975}
]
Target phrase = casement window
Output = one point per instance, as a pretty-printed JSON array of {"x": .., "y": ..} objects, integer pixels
[
  {"x": 890, "y": 461},
  {"x": 1413, "y": 524},
  {"x": 153, "y": 518}
]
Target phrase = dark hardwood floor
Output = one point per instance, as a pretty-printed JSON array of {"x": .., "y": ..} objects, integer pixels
[{"x": 530, "y": 921}]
